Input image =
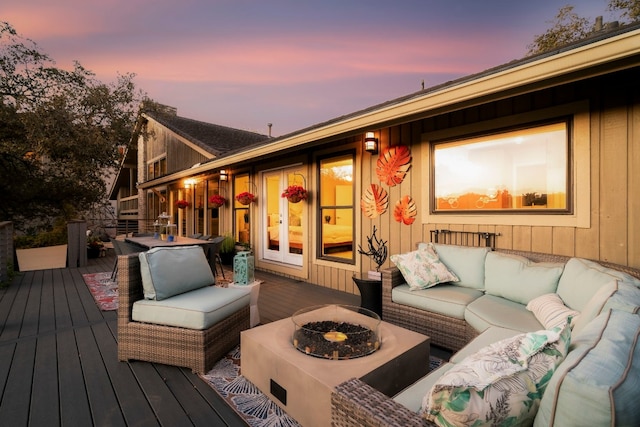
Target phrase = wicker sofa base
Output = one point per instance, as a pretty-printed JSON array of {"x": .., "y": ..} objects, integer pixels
[
  {"x": 444, "y": 331},
  {"x": 198, "y": 350}
]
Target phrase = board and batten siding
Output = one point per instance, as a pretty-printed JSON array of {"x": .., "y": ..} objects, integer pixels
[{"x": 614, "y": 138}]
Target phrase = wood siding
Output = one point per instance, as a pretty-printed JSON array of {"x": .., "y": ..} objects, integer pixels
[{"x": 614, "y": 233}]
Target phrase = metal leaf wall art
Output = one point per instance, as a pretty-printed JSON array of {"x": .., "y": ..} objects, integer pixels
[
  {"x": 374, "y": 201},
  {"x": 393, "y": 164},
  {"x": 405, "y": 210}
]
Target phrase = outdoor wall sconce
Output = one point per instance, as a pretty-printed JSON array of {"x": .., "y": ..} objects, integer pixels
[
  {"x": 371, "y": 143},
  {"x": 224, "y": 176},
  {"x": 188, "y": 183}
]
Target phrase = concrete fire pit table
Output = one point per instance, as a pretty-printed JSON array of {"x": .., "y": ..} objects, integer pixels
[{"x": 302, "y": 384}]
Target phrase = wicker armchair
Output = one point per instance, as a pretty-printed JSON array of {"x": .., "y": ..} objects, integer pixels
[{"x": 195, "y": 349}]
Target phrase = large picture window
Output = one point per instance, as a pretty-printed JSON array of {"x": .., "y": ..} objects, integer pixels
[{"x": 516, "y": 170}]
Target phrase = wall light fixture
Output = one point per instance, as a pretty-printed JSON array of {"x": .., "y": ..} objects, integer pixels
[{"x": 371, "y": 143}]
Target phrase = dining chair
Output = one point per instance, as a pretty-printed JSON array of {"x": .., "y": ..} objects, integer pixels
[
  {"x": 120, "y": 247},
  {"x": 213, "y": 250}
]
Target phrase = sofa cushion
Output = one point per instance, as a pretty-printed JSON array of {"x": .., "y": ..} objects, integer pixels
[
  {"x": 517, "y": 278},
  {"x": 597, "y": 384},
  {"x": 626, "y": 298},
  {"x": 169, "y": 271},
  {"x": 582, "y": 278},
  {"x": 551, "y": 311},
  {"x": 501, "y": 384},
  {"x": 448, "y": 300},
  {"x": 411, "y": 397},
  {"x": 422, "y": 269},
  {"x": 489, "y": 310},
  {"x": 595, "y": 305},
  {"x": 198, "y": 309},
  {"x": 467, "y": 263}
]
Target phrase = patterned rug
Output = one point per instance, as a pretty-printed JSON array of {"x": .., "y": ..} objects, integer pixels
[
  {"x": 103, "y": 289},
  {"x": 247, "y": 400}
]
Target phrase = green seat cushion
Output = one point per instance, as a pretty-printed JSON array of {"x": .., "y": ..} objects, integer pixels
[
  {"x": 169, "y": 271},
  {"x": 518, "y": 279},
  {"x": 448, "y": 300},
  {"x": 597, "y": 384},
  {"x": 582, "y": 278},
  {"x": 198, "y": 309},
  {"x": 411, "y": 397},
  {"x": 467, "y": 263},
  {"x": 490, "y": 310}
]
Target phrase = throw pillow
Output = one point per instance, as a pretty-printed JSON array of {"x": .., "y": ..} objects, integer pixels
[
  {"x": 501, "y": 384},
  {"x": 422, "y": 269},
  {"x": 518, "y": 279},
  {"x": 169, "y": 271},
  {"x": 595, "y": 305},
  {"x": 551, "y": 311}
]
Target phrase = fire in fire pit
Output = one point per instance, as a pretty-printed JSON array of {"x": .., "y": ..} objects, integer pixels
[{"x": 336, "y": 331}]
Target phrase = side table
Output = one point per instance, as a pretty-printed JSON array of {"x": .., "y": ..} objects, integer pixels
[{"x": 370, "y": 292}]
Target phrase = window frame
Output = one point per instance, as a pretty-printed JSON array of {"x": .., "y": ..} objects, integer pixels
[{"x": 490, "y": 138}]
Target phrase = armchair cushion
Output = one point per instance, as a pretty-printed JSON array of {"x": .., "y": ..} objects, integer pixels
[
  {"x": 198, "y": 309},
  {"x": 169, "y": 271}
]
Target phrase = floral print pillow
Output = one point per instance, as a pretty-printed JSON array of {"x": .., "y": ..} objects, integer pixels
[
  {"x": 423, "y": 269},
  {"x": 500, "y": 385}
]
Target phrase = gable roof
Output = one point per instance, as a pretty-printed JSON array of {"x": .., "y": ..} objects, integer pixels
[{"x": 218, "y": 140}]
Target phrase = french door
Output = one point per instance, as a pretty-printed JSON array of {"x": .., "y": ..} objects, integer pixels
[{"x": 284, "y": 229}]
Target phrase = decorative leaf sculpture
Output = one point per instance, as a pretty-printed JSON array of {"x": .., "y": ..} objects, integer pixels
[
  {"x": 393, "y": 164},
  {"x": 405, "y": 210},
  {"x": 375, "y": 201}
]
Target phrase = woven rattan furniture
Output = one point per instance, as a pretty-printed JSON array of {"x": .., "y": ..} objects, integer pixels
[
  {"x": 355, "y": 403},
  {"x": 195, "y": 349},
  {"x": 449, "y": 332}
]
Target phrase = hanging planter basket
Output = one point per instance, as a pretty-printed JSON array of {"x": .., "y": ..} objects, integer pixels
[
  {"x": 245, "y": 198},
  {"x": 181, "y": 204},
  {"x": 295, "y": 194},
  {"x": 217, "y": 201}
]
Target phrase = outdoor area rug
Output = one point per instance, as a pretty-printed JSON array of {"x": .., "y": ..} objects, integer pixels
[
  {"x": 103, "y": 289},
  {"x": 246, "y": 399}
]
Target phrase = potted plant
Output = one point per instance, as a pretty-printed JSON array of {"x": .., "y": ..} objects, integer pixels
[
  {"x": 217, "y": 200},
  {"x": 94, "y": 246},
  {"x": 227, "y": 249},
  {"x": 295, "y": 193},
  {"x": 182, "y": 204},
  {"x": 377, "y": 252},
  {"x": 245, "y": 198}
]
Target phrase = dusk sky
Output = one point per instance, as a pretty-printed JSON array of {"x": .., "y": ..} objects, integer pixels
[{"x": 293, "y": 63}]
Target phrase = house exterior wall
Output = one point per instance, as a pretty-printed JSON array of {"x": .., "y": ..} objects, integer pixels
[{"x": 611, "y": 131}]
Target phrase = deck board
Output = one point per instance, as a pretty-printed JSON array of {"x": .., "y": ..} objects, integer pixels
[{"x": 59, "y": 365}]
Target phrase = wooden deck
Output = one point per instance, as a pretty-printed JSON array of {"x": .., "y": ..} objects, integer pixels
[{"x": 59, "y": 366}]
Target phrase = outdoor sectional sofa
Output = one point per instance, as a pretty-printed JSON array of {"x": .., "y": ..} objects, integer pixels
[
  {"x": 593, "y": 306},
  {"x": 169, "y": 312}
]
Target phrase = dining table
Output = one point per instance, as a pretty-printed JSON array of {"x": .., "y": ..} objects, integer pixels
[{"x": 148, "y": 242}]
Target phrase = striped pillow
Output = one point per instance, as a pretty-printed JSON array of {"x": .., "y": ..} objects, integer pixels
[{"x": 551, "y": 311}]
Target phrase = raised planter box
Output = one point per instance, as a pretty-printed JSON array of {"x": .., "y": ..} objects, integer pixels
[{"x": 42, "y": 258}]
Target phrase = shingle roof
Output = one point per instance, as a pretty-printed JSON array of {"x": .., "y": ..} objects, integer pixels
[{"x": 219, "y": 140}]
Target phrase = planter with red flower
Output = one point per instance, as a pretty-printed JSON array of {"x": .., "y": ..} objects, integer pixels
[
  {"x": 181, "y": 204},
  {"x": 245, "y": 198},
  {"x": 295, "y": 193},
  {"x": 217, "y": 200}
]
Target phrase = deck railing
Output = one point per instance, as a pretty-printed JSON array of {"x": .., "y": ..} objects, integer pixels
[{"x": 6, "y": 250}]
